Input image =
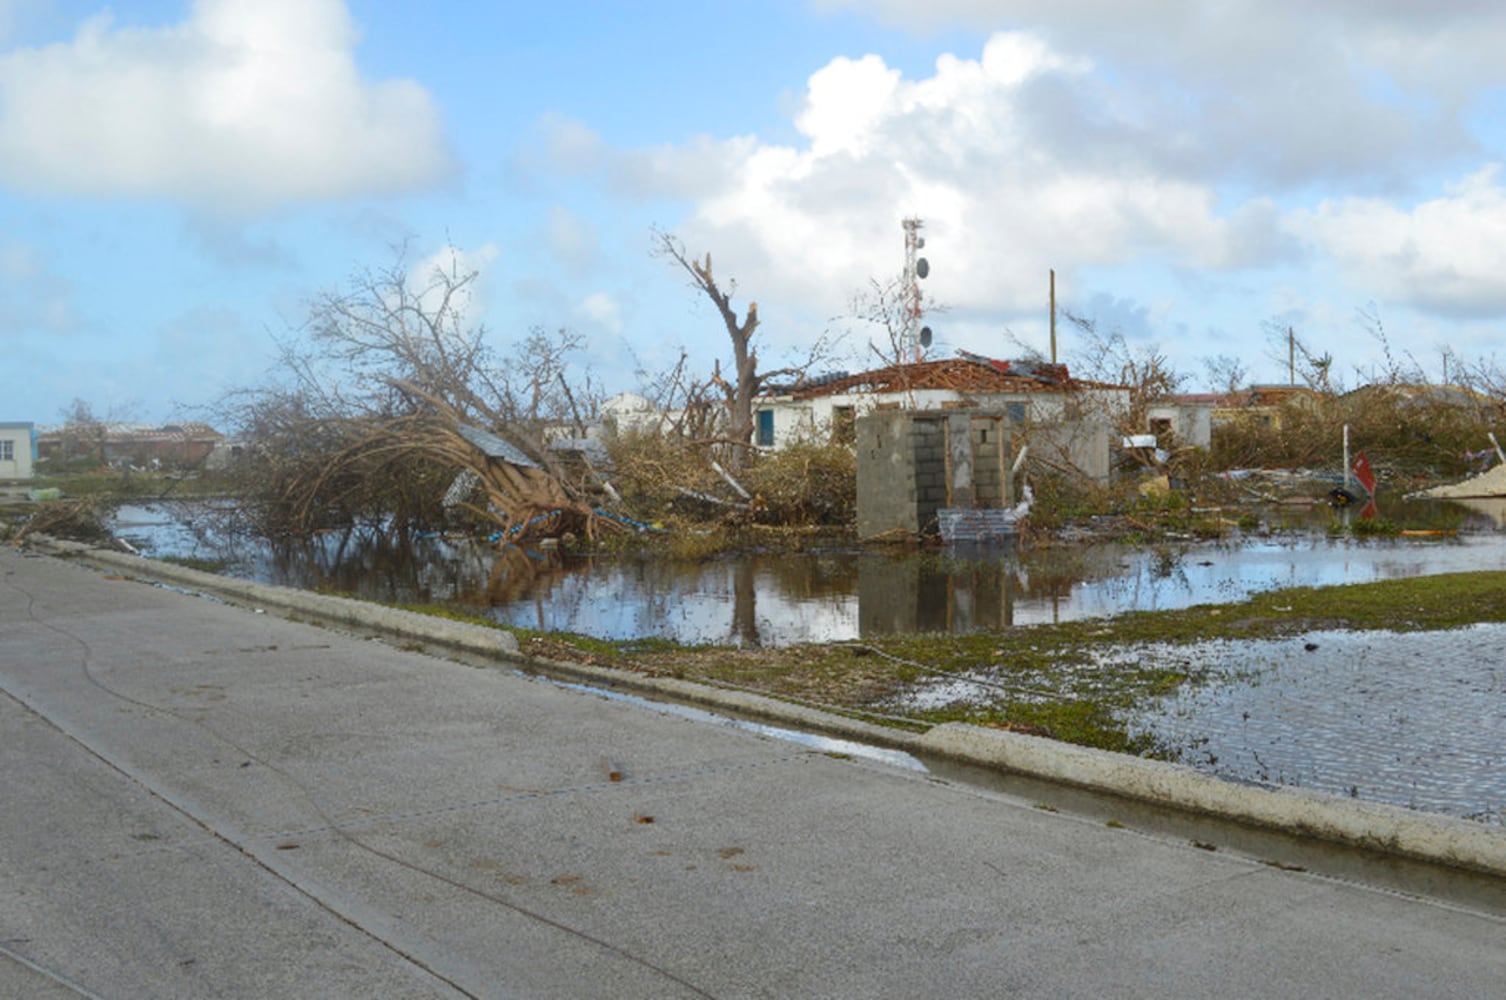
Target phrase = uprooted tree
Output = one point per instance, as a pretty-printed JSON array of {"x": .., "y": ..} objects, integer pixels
[{"x": 377, "y": 410}]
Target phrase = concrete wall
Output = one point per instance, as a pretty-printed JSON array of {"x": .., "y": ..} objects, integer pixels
[
  {"x": 1084, "y": 445},
  {"x": 992, "y": 452},
  {"x": 901, "y": 459}
]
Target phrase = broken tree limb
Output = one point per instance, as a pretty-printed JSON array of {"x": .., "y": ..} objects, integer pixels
[
  {"x": 727, "y": 476},
  {"x": 708, "y": 498}
]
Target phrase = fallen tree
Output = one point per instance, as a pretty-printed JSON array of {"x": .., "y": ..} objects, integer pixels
[{"x": 392, "y": 394}]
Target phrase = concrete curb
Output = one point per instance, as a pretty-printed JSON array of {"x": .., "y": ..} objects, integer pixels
[
  {"x": 1445, "y": 840},
  {"x": 1386, "y": 829},
  {"x": 410, "y": 624}
]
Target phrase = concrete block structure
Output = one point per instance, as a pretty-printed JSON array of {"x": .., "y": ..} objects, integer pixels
[{"x": 911, "y": 464}]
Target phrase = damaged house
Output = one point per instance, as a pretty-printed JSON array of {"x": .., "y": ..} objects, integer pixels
[
  {"x": 939, "y": 442},
  {"x": 1067, "y": 420}
]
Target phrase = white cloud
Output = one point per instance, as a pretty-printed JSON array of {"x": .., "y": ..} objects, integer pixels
[
  {"x": 1284, "y": 91},
  {"x": 1446, "y": 255},
  {"x": 846, "y": 100},
  {"x": 693, "y": 170},
  {"x": 1241, "y": 37},
  {"x": 448, "y": 272},
  {"x": 603, "y": 310},
  {"x": 570, "y": 146},
  {"x": 962, "y": 149},
  {"x": 242, "y": 106}
]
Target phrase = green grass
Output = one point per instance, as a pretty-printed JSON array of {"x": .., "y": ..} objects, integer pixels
[{"x": 1071, "y": 681}]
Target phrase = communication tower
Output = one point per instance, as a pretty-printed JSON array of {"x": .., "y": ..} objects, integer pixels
[{"x": 916, "y": 336}]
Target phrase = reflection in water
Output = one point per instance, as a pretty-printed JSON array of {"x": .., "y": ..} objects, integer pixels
[
  {"x": 1491, "y": 507},
  {"x": 770, "y": 599},
  {"x": 926, "y": 596}
]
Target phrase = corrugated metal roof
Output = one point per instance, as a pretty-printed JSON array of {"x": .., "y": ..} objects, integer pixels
[{"x": 494, "y": 447}]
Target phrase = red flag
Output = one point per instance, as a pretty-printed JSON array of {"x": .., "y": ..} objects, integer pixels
[{"x": 1363, "y": 472}]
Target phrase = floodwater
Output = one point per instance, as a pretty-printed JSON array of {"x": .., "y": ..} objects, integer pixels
[
  {"x": 1413, "y": 720},
  {"x": 781, "y": 598}
]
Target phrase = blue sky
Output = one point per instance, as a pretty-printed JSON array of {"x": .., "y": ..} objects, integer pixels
[{"x": 179, "y": 180}]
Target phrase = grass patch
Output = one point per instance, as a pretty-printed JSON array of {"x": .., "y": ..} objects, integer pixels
[{"x": 1086, "y": 722}]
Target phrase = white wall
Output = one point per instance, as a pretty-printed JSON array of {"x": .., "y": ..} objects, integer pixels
[
  {"x": 1192, "y": 423},
  {"x": 630, "y": 413},
  {"x": 806, "y": 419},
  {"x": 18, "y": 466}
]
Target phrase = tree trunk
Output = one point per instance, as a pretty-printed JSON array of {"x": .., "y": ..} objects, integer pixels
[{"x": 746, "y": 380}]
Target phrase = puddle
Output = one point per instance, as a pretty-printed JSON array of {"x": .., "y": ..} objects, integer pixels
[
  {"x": 1411, "y": 719},
  {"x": 832, "y": 745}
]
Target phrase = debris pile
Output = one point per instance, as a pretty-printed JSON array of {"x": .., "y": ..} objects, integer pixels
[{"x": 1488, "y": 484}]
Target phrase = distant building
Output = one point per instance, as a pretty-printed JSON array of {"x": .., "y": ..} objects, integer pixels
[
  {"x": 1404, "y": 396},
  {"x": 18, "y": 449},
  {"x": 179, "y": 446},
  {"x": 1192, "y": 418},
  {"x": 1185, "y": 419},
  {"x": 630, "y": 413},
  {"x": 1265, "y": 406}
]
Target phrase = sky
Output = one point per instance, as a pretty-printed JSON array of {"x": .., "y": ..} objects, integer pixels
[{"x": 179, "y": 181}]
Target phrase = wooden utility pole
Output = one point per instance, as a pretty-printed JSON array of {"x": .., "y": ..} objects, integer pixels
[
  {"x": 1053, "y": 315},
  {"x": 1291, "y": 356}
]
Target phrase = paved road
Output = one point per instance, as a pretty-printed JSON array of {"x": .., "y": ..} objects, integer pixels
[{"x": 203, "y": 801}]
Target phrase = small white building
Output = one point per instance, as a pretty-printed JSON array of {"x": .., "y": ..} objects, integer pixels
[
  {"x": 18, "y": 449},
  {"x": 630, "y": 413},
  {"x": 1183, "y": 420}
]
